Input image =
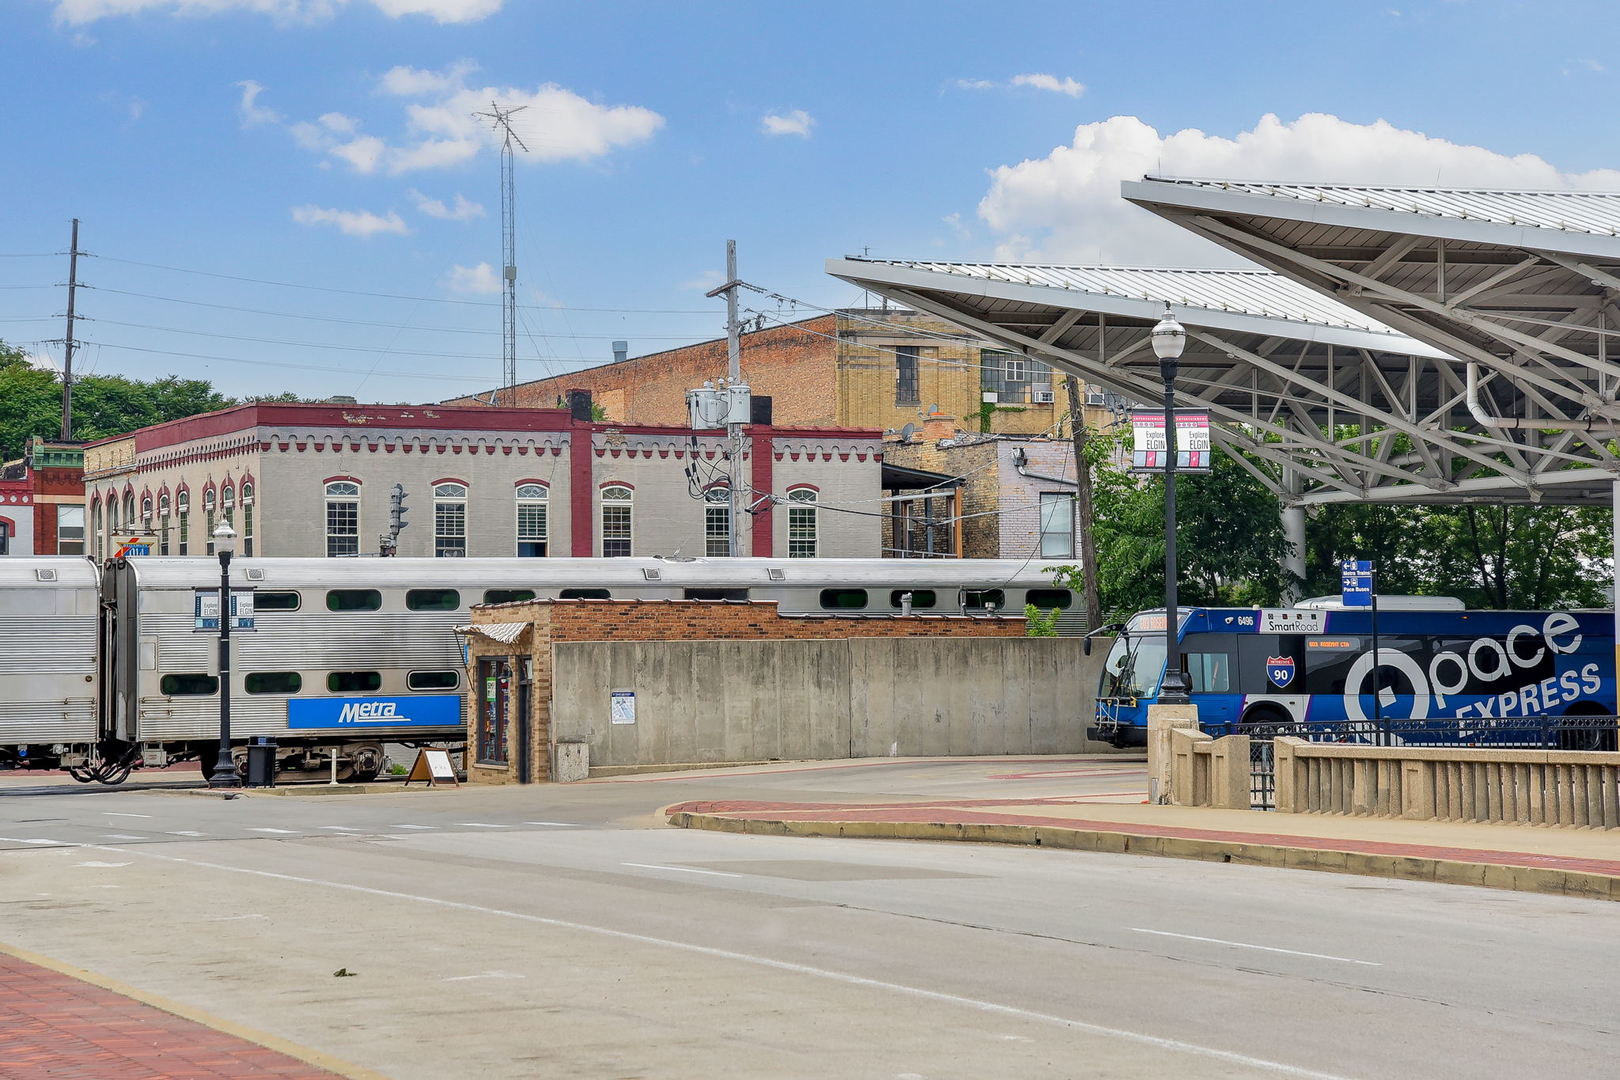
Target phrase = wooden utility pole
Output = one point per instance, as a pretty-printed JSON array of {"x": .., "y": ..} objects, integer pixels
[
  {"x": 1081, "y": 435},
  {"x": 67, "y": 349}
]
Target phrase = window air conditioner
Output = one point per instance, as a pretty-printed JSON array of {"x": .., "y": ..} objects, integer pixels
[{"x": 1042, "y": 397}]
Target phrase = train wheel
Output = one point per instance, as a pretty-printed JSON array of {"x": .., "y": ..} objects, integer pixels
[{"x": 366, "y": 761}]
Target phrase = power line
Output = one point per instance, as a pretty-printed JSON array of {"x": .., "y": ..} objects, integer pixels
[
  {"x": 286, "y": 364},
  {"x": 380, "y": 295}
]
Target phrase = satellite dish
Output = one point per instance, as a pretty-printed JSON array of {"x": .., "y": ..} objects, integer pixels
[{"x": 907, "y": 432}]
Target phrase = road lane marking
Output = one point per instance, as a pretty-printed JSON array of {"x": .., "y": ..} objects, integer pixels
[
  {"x": 115, "y": 813},
  {"x": 98, "y": 864},
  {"x": 24, "y": 840},
  {"x": 120, "y": 836},
  {"x": 185, "y": 832},
  {"x": 993, "y": 1008},
  {"x": 339, "y": 828},
  {"x": 682, "y": 869},
  {"x": 1262, "y": 948},
  {"x": 557, "y": 824},
  {"x": 413, "y": 826},
  {"x": 482, "y": 825},
  {"x": 278, "y": 832}
]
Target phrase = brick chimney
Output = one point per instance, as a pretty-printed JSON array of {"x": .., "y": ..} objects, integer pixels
[{"x": 938, "y": 426}]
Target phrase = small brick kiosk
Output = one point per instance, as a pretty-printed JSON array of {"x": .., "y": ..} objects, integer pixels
[{"x": 672, "y": 682}]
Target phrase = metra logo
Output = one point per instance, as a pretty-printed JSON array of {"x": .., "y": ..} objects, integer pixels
[{"x": 368, "y": 712}]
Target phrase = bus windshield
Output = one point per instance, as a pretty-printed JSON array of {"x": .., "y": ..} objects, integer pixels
[{"x": 1134, "y": 667}]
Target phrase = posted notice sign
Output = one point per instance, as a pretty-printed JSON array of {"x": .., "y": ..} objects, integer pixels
[
  {"x": 1150, "y": 449},
  {"x": 205, "y": 609}
]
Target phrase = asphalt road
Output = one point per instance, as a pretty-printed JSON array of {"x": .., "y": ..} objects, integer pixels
[{"x": 563, "y": 932}]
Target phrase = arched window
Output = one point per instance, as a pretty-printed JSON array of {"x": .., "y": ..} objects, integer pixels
[
  {"x": 112, "y": 514},
  {"x": 129, "y": 511},
  {"x": 802, "y": 523},
  {"x": 163, "y": 523},
  {"x": 617, "y": 520},
  {"x": 182, "y": 507},
  {"x": 97, "y": 541},
  {"x": 227, "y": 504},
  {"x": 247, "y": 517},
  {"x": 342, "y": 518},
  {"x": 146, "y": 513},
  {"x": 717, "y": 522},
  {"x": 450, "y": 521},
  {"x": 210, "y": 511},
  {"x": 532, "y": 524}
]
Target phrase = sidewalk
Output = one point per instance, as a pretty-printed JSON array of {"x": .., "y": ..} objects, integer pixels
[
  {"x": 55, "y": 1023},
  {"x": 1573, "y": 862}
]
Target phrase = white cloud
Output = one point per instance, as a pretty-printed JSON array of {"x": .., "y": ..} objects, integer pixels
[
  {"x": 481, "y": 279},
  {"x": 463, "y": 210},
  {"x": 1050, "y": 82},
  {"x": 797, "y": 122},
  {"x": 415, "y": 82},
  {"x": 1584, "y": 66},
  {"x": 443, "y": 11},
  {"x": 80, "y": 12},
  {"x": 249, "y": 108},
  {"x": 351, "y": 222},
  {"x": 441, "y": 130},
  {"x": 1066, "y": 207},
  {"x": 976, "y": 84}
]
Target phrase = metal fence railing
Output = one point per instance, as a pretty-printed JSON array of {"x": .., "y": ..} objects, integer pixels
[{"x": 1527, "y": 732}]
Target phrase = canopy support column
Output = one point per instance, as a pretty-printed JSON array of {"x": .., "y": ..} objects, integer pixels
[{"x": 1293, "y": 523}]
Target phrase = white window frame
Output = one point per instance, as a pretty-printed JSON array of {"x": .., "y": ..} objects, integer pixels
[
  {"x": 717, "y": 522},
  {"x": 617, "y": 497},
  {"x": 803, "y": 518},
  {"x": 1014, "y": 369},
  {"x": 450, "y": 497},
  {"x": 1056, "y": 507},
  {"x": 338, "y": 493},
  {"x": 533, "y": 497},
  {"x": 210, "y": 507},
  {"x": 245, "y": 495}
]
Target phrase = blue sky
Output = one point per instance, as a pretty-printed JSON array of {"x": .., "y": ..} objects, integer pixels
[{"x": 327, "y": 144}]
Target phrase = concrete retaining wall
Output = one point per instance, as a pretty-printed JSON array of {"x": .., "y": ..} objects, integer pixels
[{"x": 723, "y": 701}]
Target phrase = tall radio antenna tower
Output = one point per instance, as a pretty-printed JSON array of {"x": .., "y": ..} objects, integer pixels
[{"x": 502, "y": 120}]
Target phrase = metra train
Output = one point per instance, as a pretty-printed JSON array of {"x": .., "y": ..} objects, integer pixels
[{"x": 104, "y": 668}]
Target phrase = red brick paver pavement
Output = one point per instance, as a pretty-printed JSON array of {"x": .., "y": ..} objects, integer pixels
[{"x": 56, "y": 1027}]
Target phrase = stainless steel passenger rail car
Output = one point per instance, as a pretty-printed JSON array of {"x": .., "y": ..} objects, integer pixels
[{"x": 345, "y": 655}]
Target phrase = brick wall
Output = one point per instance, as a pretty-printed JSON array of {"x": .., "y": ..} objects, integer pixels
[{"x": 792, "y": 365}]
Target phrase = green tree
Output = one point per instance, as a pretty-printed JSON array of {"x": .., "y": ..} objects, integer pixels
[
  {"x": 1229, "y": 540},
  {"x": 1527, "y": 557}
]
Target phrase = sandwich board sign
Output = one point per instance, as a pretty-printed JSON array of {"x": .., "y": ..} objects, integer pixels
[{"x": 432, "y": 766}]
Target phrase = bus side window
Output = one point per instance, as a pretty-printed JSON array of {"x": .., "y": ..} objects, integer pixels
[{"x": 1209, "y": 672}]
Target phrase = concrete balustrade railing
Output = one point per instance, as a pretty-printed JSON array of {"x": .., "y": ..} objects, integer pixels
[
  {"x": 1526, "y": 787},
  {"x": 1206, "y": 771}
]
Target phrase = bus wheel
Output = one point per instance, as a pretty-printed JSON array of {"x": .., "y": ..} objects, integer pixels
[
  {"x": 1264, "y": 720},
  {"x": 1597, "y": 734}
]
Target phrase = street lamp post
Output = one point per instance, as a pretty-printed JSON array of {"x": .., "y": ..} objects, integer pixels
[
  {"x": 1169, "y": 338},
  {"x": 225, "y": 774}
]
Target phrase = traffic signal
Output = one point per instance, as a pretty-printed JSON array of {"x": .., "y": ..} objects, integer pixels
[{"x": 396, "y": 509}]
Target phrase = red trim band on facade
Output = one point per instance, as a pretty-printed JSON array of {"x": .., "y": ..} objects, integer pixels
[
  {"x": 579, "y": 491},
  {"x": 763, "y": 528}
]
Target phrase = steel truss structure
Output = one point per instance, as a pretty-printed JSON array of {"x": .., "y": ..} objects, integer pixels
[
  {"x": 1320, "y": 402},
  {"x": 1518, "y": 288}
]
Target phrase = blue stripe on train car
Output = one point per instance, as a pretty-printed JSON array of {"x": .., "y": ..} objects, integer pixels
[{"x": 424, "y": 711}]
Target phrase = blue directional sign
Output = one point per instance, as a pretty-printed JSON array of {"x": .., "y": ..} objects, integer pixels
[
  {"x": 1356, "y": 580},
  {"x": 358, "y": 713}
]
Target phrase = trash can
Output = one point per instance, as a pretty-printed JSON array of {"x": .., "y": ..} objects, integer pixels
[{"x": 261, "y": 762}]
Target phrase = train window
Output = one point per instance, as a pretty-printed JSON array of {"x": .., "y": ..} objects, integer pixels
[
  {"x": 433, "y": 680},
  {"x": 273, "y": 682},
  {"x": 344, "y": 682},
  {"x": 189, "y": 685},
  {"x": 432, "y": 600},
  {"x": 584, "y": 594},
  {"x": 275, "y": 601},
  {"x": 843, "y": 599},
  {"x": 920, "y": 598},
  {"x": 982, "y": 599},
  {"x": 353, "y": 600},
  {"x": 507, "y": 596},
  {"x": 1047, "y": 599},
  {"x": 734, "y": 595}
]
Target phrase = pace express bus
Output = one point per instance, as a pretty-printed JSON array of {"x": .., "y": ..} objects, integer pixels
[{"x": 1314, "y": 664}]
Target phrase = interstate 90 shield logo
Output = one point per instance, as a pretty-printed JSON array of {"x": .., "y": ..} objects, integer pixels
[{"x": 1280, "y": 670}]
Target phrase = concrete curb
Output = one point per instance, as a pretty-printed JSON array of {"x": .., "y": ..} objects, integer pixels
[{"x": 1531, "y": 879}]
